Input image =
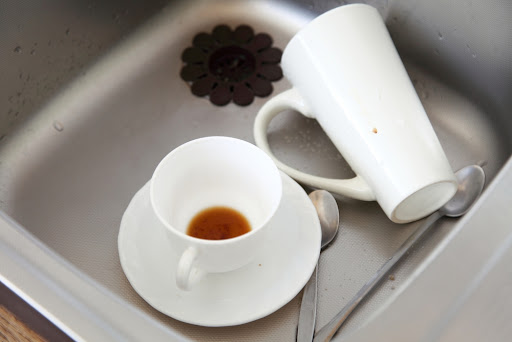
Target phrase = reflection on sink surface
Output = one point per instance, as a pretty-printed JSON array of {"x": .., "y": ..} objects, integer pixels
[{"x": 69, "y": 171}]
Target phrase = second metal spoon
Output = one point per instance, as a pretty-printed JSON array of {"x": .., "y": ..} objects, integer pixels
[
  {"x": 327, "y": 210},
  {"x": 471, "y": 181}
]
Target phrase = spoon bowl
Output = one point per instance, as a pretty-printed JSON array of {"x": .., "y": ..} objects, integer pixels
[
  {"x": 328, "y": 214},
  {"x": 471, "y": 180}
]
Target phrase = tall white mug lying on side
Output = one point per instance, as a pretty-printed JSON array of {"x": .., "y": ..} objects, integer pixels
[{"x": 346, "y": 73}]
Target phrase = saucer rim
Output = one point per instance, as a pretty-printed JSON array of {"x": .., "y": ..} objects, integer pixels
[{"x": 296, "y": 192}]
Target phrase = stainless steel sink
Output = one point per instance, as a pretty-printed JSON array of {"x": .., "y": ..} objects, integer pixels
[{"x": 70, "y": 163}]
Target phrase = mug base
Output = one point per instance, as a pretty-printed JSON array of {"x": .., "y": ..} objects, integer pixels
[{"x": 424, "y": 202}]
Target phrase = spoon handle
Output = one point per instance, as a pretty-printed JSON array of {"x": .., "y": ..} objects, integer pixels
[
  {"x": 307, "y": 314},
  {"x": 327, "y": 332}
]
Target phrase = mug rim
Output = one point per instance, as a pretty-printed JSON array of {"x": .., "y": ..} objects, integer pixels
[
  {"x": 196, "y": 240},
  {"x": 446, "y": 189}
]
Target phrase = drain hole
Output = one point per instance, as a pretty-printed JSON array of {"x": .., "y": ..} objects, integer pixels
[{"x": 231, "y": 65}]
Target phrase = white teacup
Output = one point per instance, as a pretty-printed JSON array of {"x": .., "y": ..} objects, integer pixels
[
  {"x": 347, "y": 74},
  {"x": 210, "y": 172}
]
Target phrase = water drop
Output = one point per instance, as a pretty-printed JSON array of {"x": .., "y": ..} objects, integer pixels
[
  {"x": 33, "y": 52},
  {"x": 17, "y": 49},
  {"x": 436, "y": 51},
  {"x": 482, "y": 163},
  {"x": 67, "y": 32},
  {"x": 440, "y": 36},
  {"x": 473, "y": 55},
  {"x": 58, "y": 126}
]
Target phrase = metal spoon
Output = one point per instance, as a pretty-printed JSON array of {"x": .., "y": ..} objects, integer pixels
[
  {"x": 471, "y": 181},
  {"x": 328, "y": 213}
]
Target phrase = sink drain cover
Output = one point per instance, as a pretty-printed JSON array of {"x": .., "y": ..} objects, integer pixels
[{"x": 231, "y": 65}]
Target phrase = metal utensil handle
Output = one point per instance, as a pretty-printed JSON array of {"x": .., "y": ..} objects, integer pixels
[
  {"x": 307, "y": 314},
  {"x": 327, "y": 332}
]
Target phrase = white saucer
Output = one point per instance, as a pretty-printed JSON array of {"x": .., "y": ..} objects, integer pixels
[{"x": 223, "y": 299}]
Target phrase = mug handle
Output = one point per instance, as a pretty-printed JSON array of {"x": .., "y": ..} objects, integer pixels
[
  {"x": 290, "y": 99},
  {"x": 187, "y": 274}
]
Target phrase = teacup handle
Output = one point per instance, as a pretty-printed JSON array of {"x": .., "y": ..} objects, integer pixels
[
  {"x": 290, "y": 99},
  {"x": 187, "y": 274}
]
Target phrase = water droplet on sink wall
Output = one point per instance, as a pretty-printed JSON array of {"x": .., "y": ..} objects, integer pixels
[
  {"x": 58, "y": 126},
  {"x": 470, "y": 51},
  {"x": 17, "y": 49}
]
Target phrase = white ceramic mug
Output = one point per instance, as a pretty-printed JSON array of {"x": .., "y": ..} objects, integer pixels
[
  {"x": 347, "y": 74},
  {"x": 210, "y": 172}
]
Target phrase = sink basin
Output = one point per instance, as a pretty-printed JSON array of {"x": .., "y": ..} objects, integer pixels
[{"x": 69, "y": 169}]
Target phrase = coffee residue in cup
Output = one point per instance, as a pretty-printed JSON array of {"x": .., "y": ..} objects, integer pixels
[{"x": 218, "y": 223}]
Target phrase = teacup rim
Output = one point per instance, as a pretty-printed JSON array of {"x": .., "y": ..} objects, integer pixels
[{"x": 199, "y": 241}]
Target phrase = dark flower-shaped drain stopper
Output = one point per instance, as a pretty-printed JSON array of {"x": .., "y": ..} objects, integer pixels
[{"x": 231, "y": 65}]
